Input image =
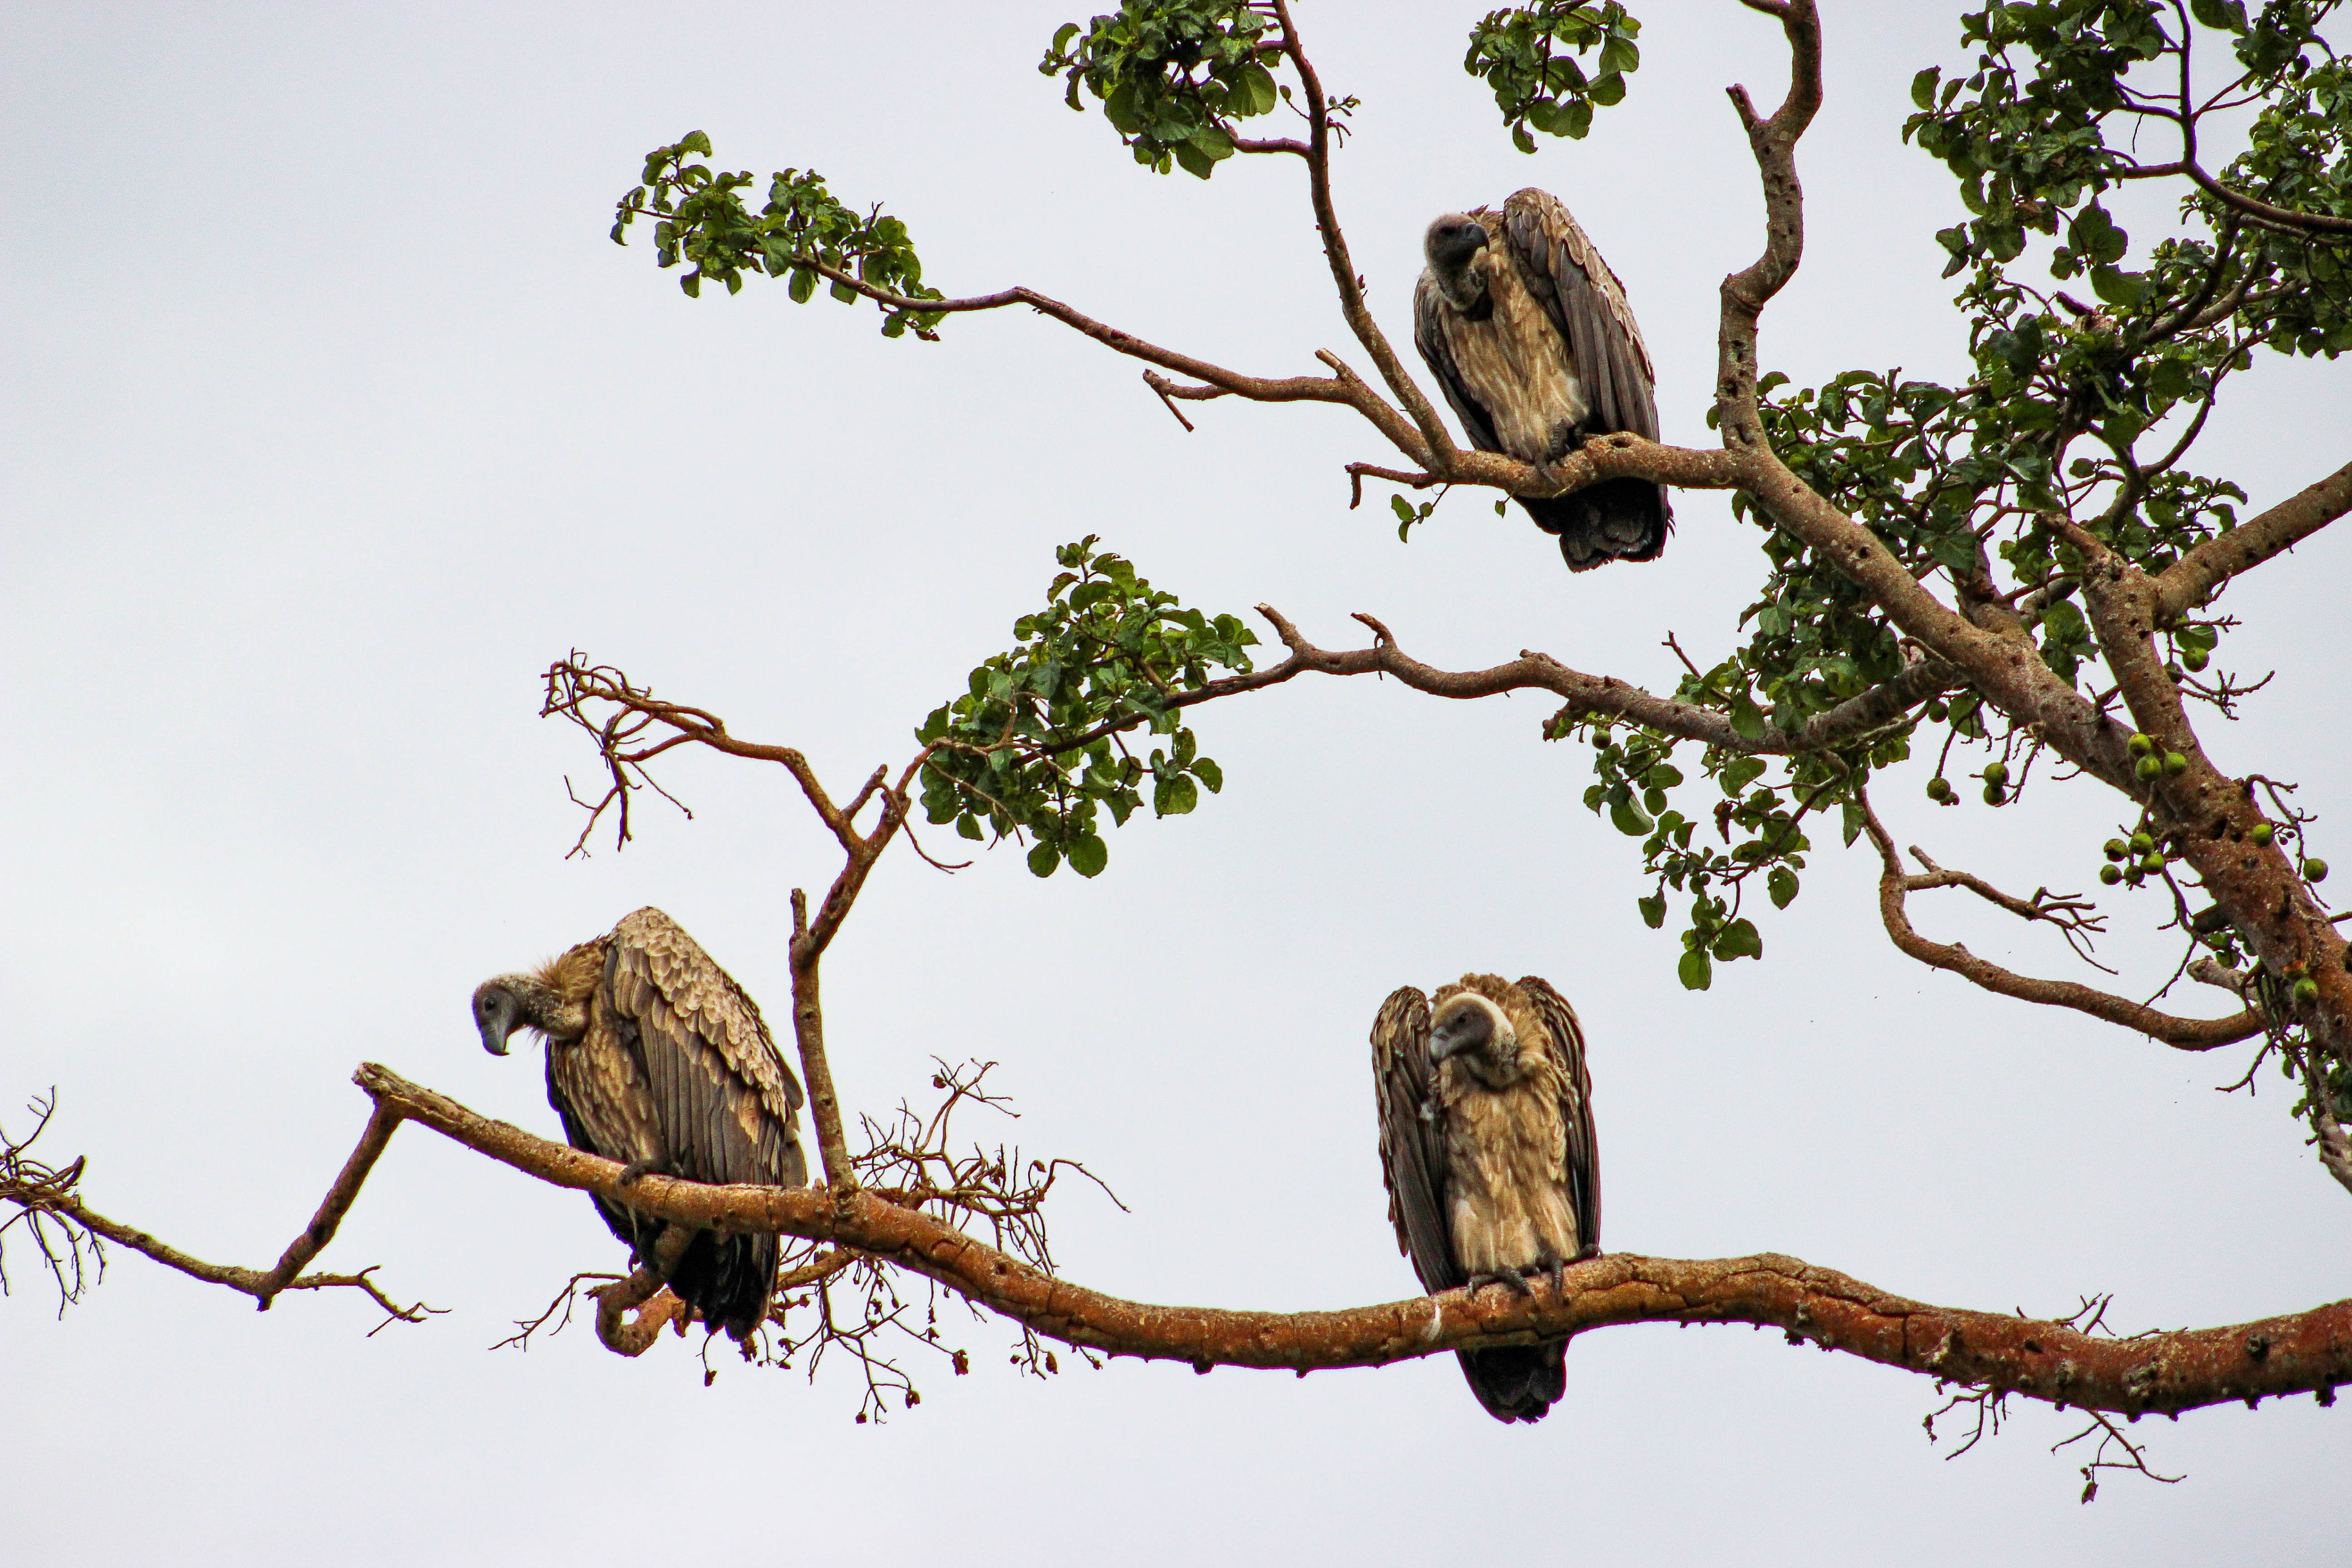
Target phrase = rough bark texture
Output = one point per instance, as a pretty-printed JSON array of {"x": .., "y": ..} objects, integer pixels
[{"x": 2304, "y": 1352}]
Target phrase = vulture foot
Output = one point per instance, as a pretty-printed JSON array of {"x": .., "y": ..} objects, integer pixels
[
  {"x": 1510, "y": 1277},
  {"x": 636, "y": 1169}
]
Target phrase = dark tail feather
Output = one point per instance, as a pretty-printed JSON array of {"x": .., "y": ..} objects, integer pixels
[
  {"x": 1616, "y": 520},
  {"x": 728, "y": 1279},
  {"x": 1517, "y": 1383}
]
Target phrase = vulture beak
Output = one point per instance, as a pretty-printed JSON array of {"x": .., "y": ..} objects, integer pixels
[{"x": 499, "y": 1014}]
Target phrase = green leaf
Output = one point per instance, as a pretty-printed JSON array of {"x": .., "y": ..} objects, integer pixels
[
  {"x": 1209, "y": 773},
  {"x": 1739, "y": 939},
  {"x": 1630, "y": 820},
  {"x": 2117, "y": 287},
  {"x": 1174, "y": 795},
  {"x": 1089, "y": 855},
  {"x": 1654, "y": 911},
  {"x": 1923, "y": 86},
  {"x": 1695, "y": 970},
  {"x": 1043, "y": 858},
  {"x": 1782, "y": 885}
]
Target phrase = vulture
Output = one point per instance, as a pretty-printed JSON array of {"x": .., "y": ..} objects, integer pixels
[
  {"x": 656, "y": 1058},
  {"x": 1528, "y": 332},
  {"x": 1487, "y": 1148}
]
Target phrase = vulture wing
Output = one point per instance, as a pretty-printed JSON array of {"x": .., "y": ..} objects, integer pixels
[
  {"x": 1576, "y": 1107},
  {"x": 1412, "y": 1145},
  {"x": 1430, "y": 339},
  {"x": 1587, "y": 303},
  {"x": 724, "y": 1099}
]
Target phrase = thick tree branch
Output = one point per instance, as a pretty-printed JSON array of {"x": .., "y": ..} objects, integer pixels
[
  {"x": 1746, "y": 293},
  {"x": 2191, "y": 580},
  {"x": 2304, "y": 1352},
  {"x": 1895, "y": 884}
]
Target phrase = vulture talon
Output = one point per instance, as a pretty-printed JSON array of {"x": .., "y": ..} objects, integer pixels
[
  {"x": 1511, "y": 1277},
  {"x": 636, "y": 1170}
]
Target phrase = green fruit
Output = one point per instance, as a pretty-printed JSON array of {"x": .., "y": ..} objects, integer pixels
[
  {"x": 2140, "y": 844},
  {"x": 2133, "y": 875},
  {"x": 2194, "y": 660},
  {"x": 2175, "y": 764},
  {"x": 1937, "y": 712},
  {"x": 2315, "y": 870},
  {"x": 2307, "y": 992},
  {"x": 2149, "y": 768},
  {"x": 1994, "y": 794},
  {"x": 2140, "y": 746},
  {"x": 2116, "y": 848},
  {"x": 1939, "y": 788},
  {"x": 2151, "y": 863},
  {"x": 2263, "y": 833},
  {"x": 2111, "y": 874},
  {"x": 1996, "y": 772}
]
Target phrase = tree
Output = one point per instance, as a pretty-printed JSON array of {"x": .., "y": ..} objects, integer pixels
[{"x": 1885, "y": 504}]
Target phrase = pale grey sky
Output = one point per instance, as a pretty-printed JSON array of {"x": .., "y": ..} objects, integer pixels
[{"x": 335, "y": 418}]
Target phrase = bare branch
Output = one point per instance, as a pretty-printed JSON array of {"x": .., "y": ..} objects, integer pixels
[
  {"x": 2305, "y": 1352},
  {"x": 2071, "y": 913},
  {"x": 2191, "y": 580},
  {"x": 1894, "y": 883},
  {"x": 1746, "y": 293}
]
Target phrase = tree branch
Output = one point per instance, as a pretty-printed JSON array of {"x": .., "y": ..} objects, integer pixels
[
  {"x": 2309, "y": 1352},
  {"x": 1895, "y": 884},
  {"x": 2191, "y": 580},
  {"x": 1746, "y": 293},
  {"x": 265, "y": 1286}
]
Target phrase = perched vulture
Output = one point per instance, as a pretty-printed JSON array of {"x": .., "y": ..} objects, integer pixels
[
  {"x": 656, "y": 1057},
  {"x": 1528, "y": 332},
  {"x": 1487, "y": 1146}
]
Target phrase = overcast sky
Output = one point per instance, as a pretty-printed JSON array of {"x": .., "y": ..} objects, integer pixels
[{"x": 334, "y": 419}]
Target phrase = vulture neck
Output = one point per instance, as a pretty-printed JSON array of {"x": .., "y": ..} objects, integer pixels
[{"x": 1462, "y": 284}]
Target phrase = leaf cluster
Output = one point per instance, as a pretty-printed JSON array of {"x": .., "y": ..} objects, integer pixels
[
  {"x": 1036, "y": 744},
  {"x": 1531, "y": 56},
  {"x": 1171, "y": 76},
  {"x": 703, "y": 221}
]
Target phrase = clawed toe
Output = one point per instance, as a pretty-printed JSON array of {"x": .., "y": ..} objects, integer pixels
[{"x": 1510, "y": 1277}]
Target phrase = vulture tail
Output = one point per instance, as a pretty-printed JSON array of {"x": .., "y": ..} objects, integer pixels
[
  {"x": 727, "y": 1280},
  {"x": 1517, "y": 1383},
  {"x": 1616, "y": 520}
]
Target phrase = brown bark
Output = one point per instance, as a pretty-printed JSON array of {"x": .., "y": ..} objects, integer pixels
[{"x": 2302, "y": 1352}]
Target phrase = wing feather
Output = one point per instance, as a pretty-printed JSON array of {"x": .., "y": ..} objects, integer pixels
[
  {"x": 1413, "y": 1141},
  {"x": 1429, "y": 337},
  {"x": 1560, "y": 1021},
  {"x": 724, "y": 1098},
  {"x": 1587, "y": 303}
]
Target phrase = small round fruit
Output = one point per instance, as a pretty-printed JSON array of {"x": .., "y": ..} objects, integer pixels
[
  {"x": 1996, "y": 772},
  {"x": 1939, "y": 788},
  {"x": 2151, "y": 863},
  {"x": 2140, "y": 746},
  {"x": 1994, "y": 794},
  {"x": 2111, "y": 874},
  {"x": 2175, "y": 764},
  {"x": 2263, "y": 833},
  {"x": 2307, "y": 992},
  {"x": 2133, "y": 875},
  {"x": 2140, "y": 844},
  {"x": 2315, "y": 870},
  {"x": 2116, "y": 848},
  {"x": 2149, "y": 768},
  {"x": 2194, "y": 660}
]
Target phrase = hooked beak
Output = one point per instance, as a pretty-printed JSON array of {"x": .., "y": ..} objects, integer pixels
[
  {"x": 1450, "y": 1040},
  {"x": 498, "y": 1019}
]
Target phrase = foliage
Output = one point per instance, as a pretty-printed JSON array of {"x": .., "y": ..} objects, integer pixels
[
  {"x": 1035, "y": 745},
  {"x": 2058, "y": 420},
  {"x": 801, "y": 227},
  {"x": 1171, "y": 76},
  {"x": 1514, "y": 52}
]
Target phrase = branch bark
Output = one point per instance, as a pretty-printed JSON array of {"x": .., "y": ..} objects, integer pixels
[
  {"x": 2192, "y": 579},
  {"x": 2308, "y": 1351}
]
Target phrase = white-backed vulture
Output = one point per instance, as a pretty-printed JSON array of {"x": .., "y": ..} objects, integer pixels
[
  {"x": 656, "y": 1058},
  {"x": 1529, "y": 334},
  {"x": 1486, "y": 1147}
]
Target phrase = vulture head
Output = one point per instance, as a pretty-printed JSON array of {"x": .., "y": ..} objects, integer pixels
[
  {"x": 1452, "y": 247},
  {"x": 1472, "y": 1028},
  {"x": 538, "y": 1001}
]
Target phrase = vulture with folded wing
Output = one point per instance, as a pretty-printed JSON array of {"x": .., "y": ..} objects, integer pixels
[
  {"x": 1486, "y": 1147},
  {"x": 656, "y": 1058},
  {"x": 1529, "y": 334}
]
